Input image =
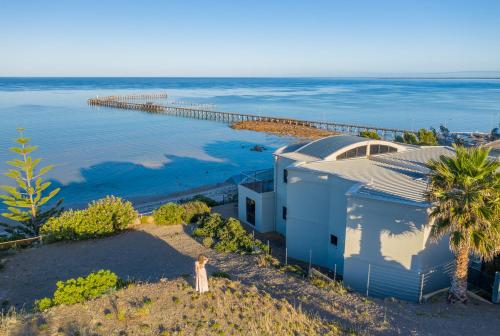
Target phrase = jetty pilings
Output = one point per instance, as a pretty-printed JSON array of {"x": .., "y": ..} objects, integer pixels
[{"x": 198, "y": 111}]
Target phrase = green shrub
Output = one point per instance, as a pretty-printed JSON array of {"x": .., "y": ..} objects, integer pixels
[
  {"x": 233, "y": 238},
  {"x": 410, "y": 138},
  {"x": 294, "y": 269},
  {"x": 112, "y": 212},
  {"x": 334, "y": 286},
  {"x": 82, "y": 289},
  {"x": 423, "y": 138},
  {"x": 169, "y": 214},
  {"x": 43, "y": 304},
  {"x": 369, "y": 134},
  {"x": 207, "y": 200},
  {"x": 227, "y": 235},
  {"x": 267, "y": 260},
  {"x": 209, "y": 226},
  {"x": 220, "y": 275},
  {"x": 426, "y": 137},
  {"x": 101, "y": 218},
  {"x": 208, "y": 242},
  {"x": 64, "y": 227},
  {"x": 194, "y": 210}
]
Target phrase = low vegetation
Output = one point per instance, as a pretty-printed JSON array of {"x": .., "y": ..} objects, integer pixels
[
  {"x": 369, "y": 134},
  {"x": 184, "y": 213},
  {"x": 335, "y": 286},
  {"x": 422, "y": 138},
  {"x": 227, "y": 235},
  {"x": 80, "y": 290},
  {"x": 173, "y": 308},
  {"x": 298, "y": 131},
  {"x": 204, "y": 199},
  {"x": 169, "y": 214},
  {"x": 103, "y": 217},
  {"x": 267, "y": 260},
  {"x": 194, "y": 210}
]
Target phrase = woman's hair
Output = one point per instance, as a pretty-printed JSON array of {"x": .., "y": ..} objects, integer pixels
[{"x": 201, "y": 259}]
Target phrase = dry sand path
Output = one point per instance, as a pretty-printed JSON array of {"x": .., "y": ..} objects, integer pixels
[{"x": 149, "y": 253}]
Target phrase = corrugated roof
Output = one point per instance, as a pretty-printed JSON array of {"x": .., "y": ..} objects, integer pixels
[
  {"x": 326, "y": 146},
  {"x": 396, "y": 175}
]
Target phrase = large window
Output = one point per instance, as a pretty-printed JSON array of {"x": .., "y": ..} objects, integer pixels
[
  {"x": 382, "y": 149},
  {"x": 353, "y": 153},
  {"x": 250, "y": 211}
]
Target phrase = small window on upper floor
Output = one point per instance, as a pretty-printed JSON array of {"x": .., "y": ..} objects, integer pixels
[
  {"x": 333, "y": 240},
  {"x": 285, "y": 176},
  {"x": 284, "y": 213}
]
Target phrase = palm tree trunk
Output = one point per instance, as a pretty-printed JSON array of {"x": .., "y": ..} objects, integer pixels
[{"x": 458, "y": 289}]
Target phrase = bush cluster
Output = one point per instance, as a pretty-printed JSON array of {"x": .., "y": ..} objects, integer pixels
[
  {"x": 423, "y": 138},
  {"x": 173, "y": 213},
  {"x": 169, "y": 214},
  {"x": 101, "y": 218},
  {"x": 205, "y": 199},
  {"x": 221, "y": 274},
  {"x": 82, "y": 289},
  {"x": 195, "y": 210},
  {"x": 369, "y": 134},
  {"x": 227, "y": 235}
]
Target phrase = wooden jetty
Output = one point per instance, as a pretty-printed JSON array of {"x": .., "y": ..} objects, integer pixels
[{"x": 198, "y": 112}]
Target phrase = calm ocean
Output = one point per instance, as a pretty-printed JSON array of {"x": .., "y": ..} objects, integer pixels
[{"x": 101, "y": 151}]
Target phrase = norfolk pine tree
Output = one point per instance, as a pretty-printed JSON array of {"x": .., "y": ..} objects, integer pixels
[{"x": 26, "y": 199}]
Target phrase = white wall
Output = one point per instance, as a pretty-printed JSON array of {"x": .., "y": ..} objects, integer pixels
[
  {"x": 316, "y": 206},
  {"x": 307, "y": 218},
  {"x": 337, "y": 220},
  {"x": 264, "y": 208},
  {"x": 280, "y": 190},
  {"x": 391, "y": 237}
]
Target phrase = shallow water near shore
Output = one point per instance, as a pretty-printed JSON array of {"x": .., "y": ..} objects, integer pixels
[{"x": 101, "y": 151}]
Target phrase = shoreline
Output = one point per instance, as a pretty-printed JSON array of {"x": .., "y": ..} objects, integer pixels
[{"x": 218, "y": 192}]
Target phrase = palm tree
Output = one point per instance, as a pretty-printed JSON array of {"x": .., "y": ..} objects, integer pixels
[{"x": 464, "y": 191}]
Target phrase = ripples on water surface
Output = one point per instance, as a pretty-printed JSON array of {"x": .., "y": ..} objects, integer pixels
[{"x": 100, "y": 151}]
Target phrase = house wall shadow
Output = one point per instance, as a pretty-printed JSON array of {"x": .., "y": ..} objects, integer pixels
[{"x": 223, "y": 160}]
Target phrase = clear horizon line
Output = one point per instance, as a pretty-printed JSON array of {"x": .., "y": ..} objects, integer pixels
[{"x": 443, "y": 75}]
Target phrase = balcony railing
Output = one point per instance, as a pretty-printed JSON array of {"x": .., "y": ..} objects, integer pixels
[{"x": 260, "y": 181}]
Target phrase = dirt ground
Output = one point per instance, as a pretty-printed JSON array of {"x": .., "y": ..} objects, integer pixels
[
  {"x": 302, "y": 132},
  {"x": 150, "y": 253}
]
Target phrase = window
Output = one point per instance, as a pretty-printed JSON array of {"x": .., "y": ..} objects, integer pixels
[
  {"x": 352, "y": 153},
  {"x": 382, "y": 149},
  {"x": 250, "y": 203},
  {"x": 333, "y": 240},
  {"x": 284, "y": 213},
  {"x": 285, "y": 176}
]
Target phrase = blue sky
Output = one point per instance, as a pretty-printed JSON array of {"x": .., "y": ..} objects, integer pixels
[{"x": 247, "y": 38}]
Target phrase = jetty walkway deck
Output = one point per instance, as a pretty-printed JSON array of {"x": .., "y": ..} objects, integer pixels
[{"x": 199, "y": 112}]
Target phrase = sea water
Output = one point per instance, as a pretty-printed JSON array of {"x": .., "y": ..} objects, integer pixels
[{"x": 101, "y": 151}]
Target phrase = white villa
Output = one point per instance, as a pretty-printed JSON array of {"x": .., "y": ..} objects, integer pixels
[{"x": 356, "y": 206}]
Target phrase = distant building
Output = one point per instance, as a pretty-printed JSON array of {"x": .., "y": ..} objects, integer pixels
[
  {"x": 355, "y": 205},
  {"x": 495, "y": 149}
]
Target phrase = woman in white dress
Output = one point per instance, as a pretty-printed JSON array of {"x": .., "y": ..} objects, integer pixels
[{"x": 201, "y": 274}]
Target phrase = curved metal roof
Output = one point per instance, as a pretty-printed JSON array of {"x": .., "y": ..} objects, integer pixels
[{"x": 324, "y": 147}]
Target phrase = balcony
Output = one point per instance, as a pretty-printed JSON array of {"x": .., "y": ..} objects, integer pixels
[{"x": 260, "y": 181}]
